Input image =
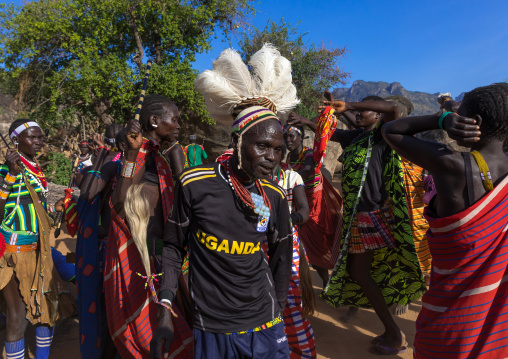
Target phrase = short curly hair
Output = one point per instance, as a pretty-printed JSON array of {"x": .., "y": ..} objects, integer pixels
[{"x": 491, "y": 103}]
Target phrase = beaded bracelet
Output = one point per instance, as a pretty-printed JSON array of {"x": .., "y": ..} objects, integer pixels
[
  {"x": 95, "y": 173},
  {"x": 128, "y": 169},
  {"x": 441, "y": 119},
  {"x": 51, "y": 207},
  {"x": 4, "y": 194},
  {"x": 169, "y": 308},
  {"x": 10, "y": 179}
]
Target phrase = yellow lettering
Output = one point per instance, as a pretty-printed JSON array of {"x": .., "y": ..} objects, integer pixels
[
  {"x": 211, "y": 242},
  {"x": 248, "y": 248},
  {"x": 256, "y": 248},
  {"x": 202, "y": 235},
  {"x": 224, "y": 246},
  {"x": 237, "y": 247}
]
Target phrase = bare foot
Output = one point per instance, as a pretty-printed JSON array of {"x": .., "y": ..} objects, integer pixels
[
  {"x": 400, "y": 309},
  {"x": 350, "y": 315}
]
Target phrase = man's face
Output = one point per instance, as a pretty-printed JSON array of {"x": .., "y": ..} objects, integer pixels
[
  {"x": 168, "y": 127},
  {"x": 262, "y": 148},
  {"x": 30, "y": 141}
]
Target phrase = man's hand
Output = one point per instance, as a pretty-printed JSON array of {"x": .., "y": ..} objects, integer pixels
[
  {"x": 163, "y": 335},
  {"x": 462, "y": 129},
  {"x": 59, "y": 205},
  {"x": 11, "y": 159},
  {"x": 134, "y": 140}
]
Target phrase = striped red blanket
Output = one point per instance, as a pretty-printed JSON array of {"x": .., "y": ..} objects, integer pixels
[
  {"x": 130, "y": 309},
  {"x": 465, "y": 311}
]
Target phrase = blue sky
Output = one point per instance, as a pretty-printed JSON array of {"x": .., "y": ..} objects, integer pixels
[{"x": 430, "y": 46}]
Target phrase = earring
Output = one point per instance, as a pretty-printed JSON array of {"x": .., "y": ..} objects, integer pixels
[{"x": 154, "y": 125}]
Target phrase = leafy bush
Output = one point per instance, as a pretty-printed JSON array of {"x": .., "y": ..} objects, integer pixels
[{"x": 59, "y": 169}]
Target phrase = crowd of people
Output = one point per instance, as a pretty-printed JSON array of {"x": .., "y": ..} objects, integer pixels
[{"x": 191, "y": 260}]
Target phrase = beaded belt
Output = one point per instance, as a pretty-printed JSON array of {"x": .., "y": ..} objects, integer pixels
[
  {"x": 20, "y": 248},
  {"x": 270, "y": 324}
]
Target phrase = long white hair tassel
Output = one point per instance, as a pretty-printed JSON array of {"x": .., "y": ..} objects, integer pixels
[{"x": 137, "y": 212}]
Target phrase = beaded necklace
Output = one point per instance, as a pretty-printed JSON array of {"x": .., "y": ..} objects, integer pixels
[
  {"x": 170, "y": 147},
  {"x": 278, "y": 176},
  {"x": 243, "y": 194},
  {"x": 35, "y": 173}
]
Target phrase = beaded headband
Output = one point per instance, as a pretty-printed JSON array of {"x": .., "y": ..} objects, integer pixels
[
  {"x": 251, "y": 116},
  {"x": 22, "y": 127},
  {"x": 292, "y": 128}
]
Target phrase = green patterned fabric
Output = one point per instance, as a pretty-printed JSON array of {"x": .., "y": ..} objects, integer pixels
[{"x": 396, "y": 271}]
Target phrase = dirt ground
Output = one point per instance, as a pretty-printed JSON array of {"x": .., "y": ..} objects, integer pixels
[{"x": 334, "y": 339}]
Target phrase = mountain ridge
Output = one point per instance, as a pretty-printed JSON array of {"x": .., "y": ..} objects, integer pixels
[{"x": 424, "y": 103}]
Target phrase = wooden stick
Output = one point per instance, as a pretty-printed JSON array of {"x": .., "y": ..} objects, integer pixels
[
  {"x": 145, "y": 85},
  {"x": 3, "y": 138}
]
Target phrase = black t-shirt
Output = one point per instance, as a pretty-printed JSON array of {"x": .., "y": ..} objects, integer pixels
[
  {"x": 233, "y": 285},
  {"x": 373, "y": 193}
]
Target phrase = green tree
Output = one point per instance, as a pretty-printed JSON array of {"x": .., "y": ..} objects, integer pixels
[
  {"x": 79, "y": 61},
  {"x": 315, "y": 68}
]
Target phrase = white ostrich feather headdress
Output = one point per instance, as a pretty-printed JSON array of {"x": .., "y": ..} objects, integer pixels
[{"x": 230, "y": 83}]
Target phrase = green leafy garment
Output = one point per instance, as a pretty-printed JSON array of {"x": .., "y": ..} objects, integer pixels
[{"x": 396, "y": 271}]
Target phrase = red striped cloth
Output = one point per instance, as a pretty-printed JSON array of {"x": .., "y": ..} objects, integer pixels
[
  {"x": 71, "y": 212},
  {"x": 465, "y": 311},
  {"x": 130, "y": 309},
  {"x": 297, "y": 328}
]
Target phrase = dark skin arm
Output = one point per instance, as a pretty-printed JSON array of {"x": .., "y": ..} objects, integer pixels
[
  {"x": 176, "y": 160},
  {"x": 388, "y": 108},
  {"x": 302, "y": 205},
  {"x": 445, "y": 165},
  {"x": 297, "y": 120}
]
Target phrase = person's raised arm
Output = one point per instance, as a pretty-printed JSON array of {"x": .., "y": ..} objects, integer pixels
[
  {"x": 133, "y": 140},
  {"x": 435, "y": 157},
  {"x": 280, "y": 252},
  {"x": 295, "y": 119},
  {"x": 388, "y": 108}
]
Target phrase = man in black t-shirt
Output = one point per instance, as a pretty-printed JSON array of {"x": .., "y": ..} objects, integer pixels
[{"x": 222, "y": 212}]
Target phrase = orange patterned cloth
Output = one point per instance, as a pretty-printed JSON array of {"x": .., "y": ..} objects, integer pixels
[{"x": 413, "y": 182}]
